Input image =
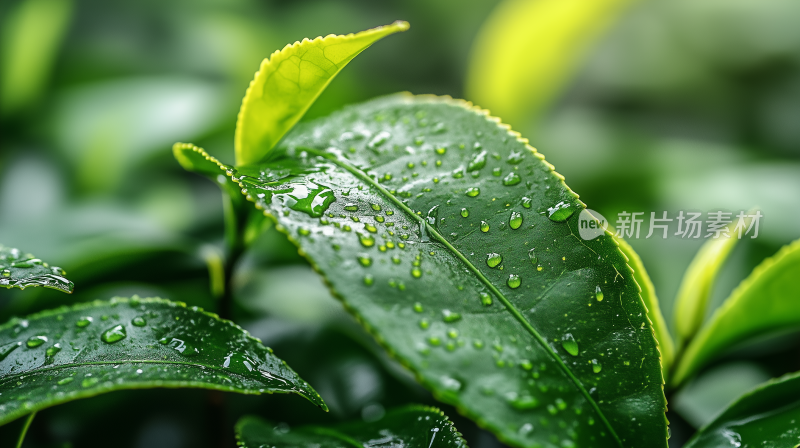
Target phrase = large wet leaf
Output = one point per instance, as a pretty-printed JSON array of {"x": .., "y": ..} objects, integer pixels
[
  {"x": 698, "y": 280},
  {"x": 410, "y": 427},
  {"x": 648, "y": 291},
  {"x": 528, "y": 50},
  {"x": 88, "y": 349},
  {"x": 457, "y": 246},
  {"x": 765, "y": 302},
  {"x": 287, "y": 84},
  {"x": 765, "y": 417},
  {"x": 21, "y": 270}
]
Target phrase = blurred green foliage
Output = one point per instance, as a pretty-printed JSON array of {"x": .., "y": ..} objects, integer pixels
[{"x": 673, "y": 105}]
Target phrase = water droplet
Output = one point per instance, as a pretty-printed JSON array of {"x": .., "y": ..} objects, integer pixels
[
  {"x": 452, "y": 333},
  {"x": 511, "y": 178},
  {"x": 303, "y": 231},
  {"x": 515, "y": 157},
  {"x": 526, "y": 202},
  {"x": 6, "y": 349},
  {"x": 569, "y": 344},
  {"x": 351, "y": 207},
  {"x": 486, "y": 299},
  {"x": 598, "y": 294},
  {"x": 560, "y": 212},
  {"x": 434, "y": 340},
  {"x": 441, "y": 150},
  {"x": 516, "y": 220},
  {"x": 477, "y": 162},
  {"x": 84, "y": 322},
  {"x": 379, "y": 140},
  {"x": 473, "y": 191},
  {"x": 450, "y": 316},
  {"x": 416, "y": 272},
  {"x": 139, "y": 321},
  {"x": 35, "y": 341},
  {"x": 364, "y": 259},
  {"x": 89, "y": 382},
  {"x": 484, "y": 226},
  {"x": 369, "y": 280},
  {"x": 513, "y": 281},
  {"x": 309, "y": 198},
  {"x": 493, "y": 259},
  {"x": 532, "y": 256},
  {"x": 523, "y": 402},
  {"x": 464, "y": 212},
  {"x": 418, "y": 307},
  {"x": 376, "y": 207},
  {"x": 114, "y": 334},
  {"x": 366, "y": 239},
  {"x": 66, "y": 380},
  {"x": 596, "y": 366},
  {"x": 6, "y": 273},
  {"x": 424, "y": 324}
]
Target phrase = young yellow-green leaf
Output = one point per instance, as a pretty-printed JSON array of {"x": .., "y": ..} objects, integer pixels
[
  {"x": 21, "y": 270},
  {"x": 287, "y": 84},
  {"x": 409, "y": 427},
  {"x": 92, "y": 348},
  {"x": 765, "y": 417},
  {"x": 695, "y": 289},
  {"x": 457, "y": 246},
  {"x": 528, "y": 50},
  {"x": 765, "y": 302},
  {"x": 665, "y": 344}
]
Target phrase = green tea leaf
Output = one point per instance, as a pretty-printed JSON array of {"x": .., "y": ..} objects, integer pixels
[
  {"x": 698, "y": 280},
  {"x": 20, "y": 270},
  {"x": 665, "y": 344},
  {"x": 287, "y": 84},
  {"x": 527, "y": 51},
  {"x": 410, "y": 426},
  {"x": 763, "y": 303},
  {"x": 457, "y": 246},
  {"x": 766, "y": 416},
  {"x": 88, "y": 349}
]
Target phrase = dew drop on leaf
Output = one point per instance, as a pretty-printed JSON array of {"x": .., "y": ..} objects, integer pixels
[
  {"x": 526, "y": 202},
  {"x": 569, "y": 344},
  {"x": 598, "y": 294},
  {"x": 351, "y": 207},
  {"x": 486, "y": 299},
  {"x": 493, "y": 259},
  {"x": 365, "y": 260},
  {"x": 450, "y": 316},
  {"x": 35, "y": 341},
  {"x": 369, "y": 280},
  {"x": 484, "y": 226},
  {"x": 6, "y": 349},
  {"x": 477, "y": 162},
  {"x": 532, "y": 256},
  {"x": 66, "y": 380},
  {"x": 418, "y": 307},
  {"x": 596, "y": 366},
  {"x": 473, "y": 191},
  {"x": 560, "y": 212},
  {"x": 516, "y": 220},
  {"x": 53, "y": 350},
  {"x": 139, "y": 321},
  {"x": 416, "y": 272},
  {"x": 84, "y": 322},
  {"x": 464, "y": 212},
  {"x": 366, "y": 239},
  {"x": 114, "y": 334},
  {"x": 513, "y": 281},
  {"x": 511, "y": 178}
]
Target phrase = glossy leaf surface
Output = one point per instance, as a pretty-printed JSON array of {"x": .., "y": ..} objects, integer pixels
[
  {"x": 410, "y": 427},
  {"x": 287, "y": 84},
  {"x": 765, "y": 302},
  {"x": 695, "y": 290},
  {"x": 765, "y": 417},
  {"x": 648, "y": 291},
  {"x": 88, "y": 349},
  {"x": 456, "y": 245},
  {"x": 21, "y": 270}
]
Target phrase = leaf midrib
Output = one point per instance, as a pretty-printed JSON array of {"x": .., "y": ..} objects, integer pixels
[{"x": 509, "y": 306}]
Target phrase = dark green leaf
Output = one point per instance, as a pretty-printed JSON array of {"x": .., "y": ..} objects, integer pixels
[
  {"x": 456, "y": 245},
  {"x": 765, "y": 302},
  {"x": 20, "y": 270},
  {"x": 410, "y": 427},
  {"x": 88, "y": 349},
  {"x": 765, "y": 417}
]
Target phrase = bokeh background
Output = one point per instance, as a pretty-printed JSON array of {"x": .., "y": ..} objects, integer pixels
[{"x": 643, "y": 105}]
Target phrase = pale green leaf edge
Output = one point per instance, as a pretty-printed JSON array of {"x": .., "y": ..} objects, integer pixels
[
  {"x": 248, "y": 155},
  {"x": 463, "y": 411},
  {"x": 692, "y": 359},
  {"x": 163, "y": 384}
]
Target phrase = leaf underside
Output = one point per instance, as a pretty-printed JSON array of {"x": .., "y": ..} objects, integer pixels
[
  {"x": 765, "y": 417},
  {"x": 287, "y": 84},
  {"x": 402, "y": 201},
  {"x": 765, "y": 302},
  {"x": 88, "y": 349},
  {"x": 410, "y": 427},
  {"x": 21, "y": 270}
]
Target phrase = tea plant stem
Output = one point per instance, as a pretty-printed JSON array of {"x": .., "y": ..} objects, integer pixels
[{"x": 25, "y": 429}]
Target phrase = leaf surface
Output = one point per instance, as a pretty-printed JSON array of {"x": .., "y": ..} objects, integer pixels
[
  {"x": 665, "y": 344},
  {"x": 456, "y": 245},
  {"x": 527, "y": 50},
  {"x": 287, "y": 84},
  {"x": 765, "y": 302},
  {"x": 88, "y": 349},
  {"x": 410, "y": 426},
  {"x": 21, "y": 270},
  {"x": 764, "y": 417},
  {"x": 698, "y": 280}
]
